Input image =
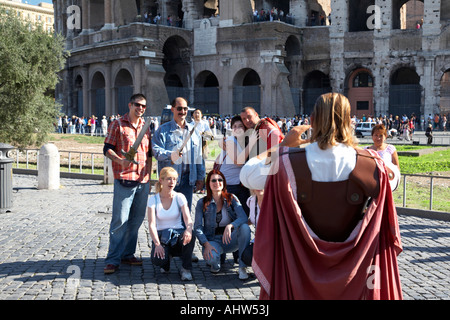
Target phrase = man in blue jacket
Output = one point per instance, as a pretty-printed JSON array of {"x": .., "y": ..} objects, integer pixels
[{"x": 166, "y": 143}]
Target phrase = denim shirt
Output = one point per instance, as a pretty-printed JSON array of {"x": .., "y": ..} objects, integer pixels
[
  {"x": 169, "y": 138},
  {"x": 205, "y": 222}
]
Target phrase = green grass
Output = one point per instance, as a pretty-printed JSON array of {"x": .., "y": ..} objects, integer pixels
[
  {"x": 436, "y": 161},
  {"x": 418, "y": 194},
  {"x": 77, "y": 138}
]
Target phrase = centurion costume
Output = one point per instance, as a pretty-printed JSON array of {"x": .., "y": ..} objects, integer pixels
[{"x": 327, "y": 240}]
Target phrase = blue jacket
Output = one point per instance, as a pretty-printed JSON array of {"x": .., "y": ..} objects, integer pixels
[
  {"x": 205, "y": 222},
  {"x": 168, "y": 139}
]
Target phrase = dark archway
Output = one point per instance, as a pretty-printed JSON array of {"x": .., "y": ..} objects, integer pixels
[
  {"x": 206, "y": 93},
  {"x": 176, "y": 63},
  {"x": 358, "y": 16},
  {"x": 98, "y": 95},
  {"x": 246, "y": 90},
  {"x": 123, "y": 85},
  {"x": 315, "y": 84},
  {"x": 405, "y": 93}
]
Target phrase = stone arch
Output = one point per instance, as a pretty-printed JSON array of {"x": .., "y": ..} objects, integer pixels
[
  {"x": 78, "y": 95},
  {"x": 444, "y": 103},
  {"x": 405, "y": 92},
  {"x": 397, "y": 10},
  {"x": 97, "y": 94},
  {"x": 246, "y": 90},
  {"x": 123, "y": 90},
  {"x": 358, "y": 16},
  {"x": 206, "y": 92},
  {"x": 176, "y": 63},
  {"x": 315, "y": 84},
  {"x": 293, "y": 62},
  {"x": 360, "y": 83}
]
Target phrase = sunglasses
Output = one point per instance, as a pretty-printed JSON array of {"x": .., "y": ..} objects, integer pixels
[
  {"x": 137, "y": 105},
  {"x": 182, "y": 109},
  {"x": 215, "y": 180}
]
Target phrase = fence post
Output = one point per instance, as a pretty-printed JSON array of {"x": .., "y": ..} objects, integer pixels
[
  {"x": 404, "y": 190},
  {"x": 108, "y": 176},
  {"x": 431, "y": 193}
]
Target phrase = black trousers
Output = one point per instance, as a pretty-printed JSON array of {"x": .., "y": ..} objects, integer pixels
[{"x": 175, "y": 250}]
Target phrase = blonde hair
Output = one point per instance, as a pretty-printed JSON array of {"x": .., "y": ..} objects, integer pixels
[
  {"x": 331, "y": 121},
  {"x": 165, "y": 172}
]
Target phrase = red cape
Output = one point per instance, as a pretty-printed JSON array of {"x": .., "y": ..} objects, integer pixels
[{"x": 291, "y": 262}]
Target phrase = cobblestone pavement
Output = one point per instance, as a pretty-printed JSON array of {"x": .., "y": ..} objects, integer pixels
[{"x": 53, "y": 244}]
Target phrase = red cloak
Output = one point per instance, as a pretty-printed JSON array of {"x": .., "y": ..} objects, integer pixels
[{"x": 291, "y": 262}]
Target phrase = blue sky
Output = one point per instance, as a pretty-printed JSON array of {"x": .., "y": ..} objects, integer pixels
[{"x": 37, "y": 1}]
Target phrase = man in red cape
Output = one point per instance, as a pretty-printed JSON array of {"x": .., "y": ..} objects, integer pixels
[{"x": 291, "y": 262}]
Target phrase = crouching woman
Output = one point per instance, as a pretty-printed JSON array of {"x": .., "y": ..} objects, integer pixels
[
  {"x": 170, "y": 225},
  {"x": 221, "y": 223}
]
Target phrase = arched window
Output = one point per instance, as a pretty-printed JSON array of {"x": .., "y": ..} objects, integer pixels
[{"x": 363, "y": 80}]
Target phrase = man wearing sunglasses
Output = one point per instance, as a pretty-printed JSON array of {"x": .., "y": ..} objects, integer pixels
[
  {"x": 170, "y": 151},
  {"x": 131, "y": 183}
]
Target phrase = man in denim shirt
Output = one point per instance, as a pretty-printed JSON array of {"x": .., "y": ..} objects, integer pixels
[{"x": 166, "y": 143}]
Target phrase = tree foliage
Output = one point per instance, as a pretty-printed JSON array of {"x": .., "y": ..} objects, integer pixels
[{"x": 30, "y": 61}]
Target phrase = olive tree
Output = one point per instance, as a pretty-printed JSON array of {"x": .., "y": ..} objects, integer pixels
[{"x": 30, "y": 59}]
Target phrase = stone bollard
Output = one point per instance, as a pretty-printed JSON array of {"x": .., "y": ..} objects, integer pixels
[
  {"x": 108, "y": 175},
  {"x": 48, "y": 167}
]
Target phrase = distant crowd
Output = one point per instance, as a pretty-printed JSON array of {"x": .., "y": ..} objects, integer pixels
[{"x": 401, "y": 126}]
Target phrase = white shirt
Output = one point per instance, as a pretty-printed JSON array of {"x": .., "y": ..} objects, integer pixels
[
  {"x": 202, "y": 126},
  {"x": 330, "y": 165},
  {"x": 230, "y": 170},
  {"x": 170, "y": 218}
]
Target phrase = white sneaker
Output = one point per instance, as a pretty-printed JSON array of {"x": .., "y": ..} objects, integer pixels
[
  {"x": 185, "y": 274},
  {"x": 214, "y": 270},
  {"x": 243, "y": 273}
]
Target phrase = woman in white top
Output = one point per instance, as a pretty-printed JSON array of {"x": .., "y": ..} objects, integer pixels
[
  {"x": 234, "y": 156},
  {"x": 387, "y": 152},
  {"x": 170, "y": 225}
]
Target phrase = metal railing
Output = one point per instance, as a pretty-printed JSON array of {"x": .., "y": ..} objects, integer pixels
[
  {"x": 69, "y": 159},
  {"x": 96, "y": 161},
  {"x": 431, "y": 177}
]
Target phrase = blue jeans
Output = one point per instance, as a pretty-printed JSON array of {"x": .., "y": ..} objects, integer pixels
[
  {"x": 128, "y": 213},
  {"x": 240, "y": 239}
]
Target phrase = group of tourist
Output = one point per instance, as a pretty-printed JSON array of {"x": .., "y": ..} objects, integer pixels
[
  {"x": 221, "y": 223},
  {"x": 84, "y": 125},
  {"x": 303, "y": 247}
]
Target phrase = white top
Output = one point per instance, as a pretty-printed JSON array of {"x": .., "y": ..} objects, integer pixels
[
  {"x": 330, "y": 165},
  {"x": 170, "y": 218},
  {"x": 202, "y": 126},
  {"x": 387, "y": 153},
  {"x": 230, "y": 170}
]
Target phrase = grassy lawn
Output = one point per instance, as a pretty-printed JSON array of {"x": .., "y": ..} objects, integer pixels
[
  {"x": 436, "y": 161},
  {"x": 418, "y": 194},
  {"x": 77, "y": 138}
]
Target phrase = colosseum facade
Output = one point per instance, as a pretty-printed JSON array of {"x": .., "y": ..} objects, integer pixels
[{"x": 386, "y": 56}]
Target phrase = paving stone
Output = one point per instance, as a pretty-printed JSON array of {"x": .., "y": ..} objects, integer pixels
[{"x": 53, "y": 244}]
